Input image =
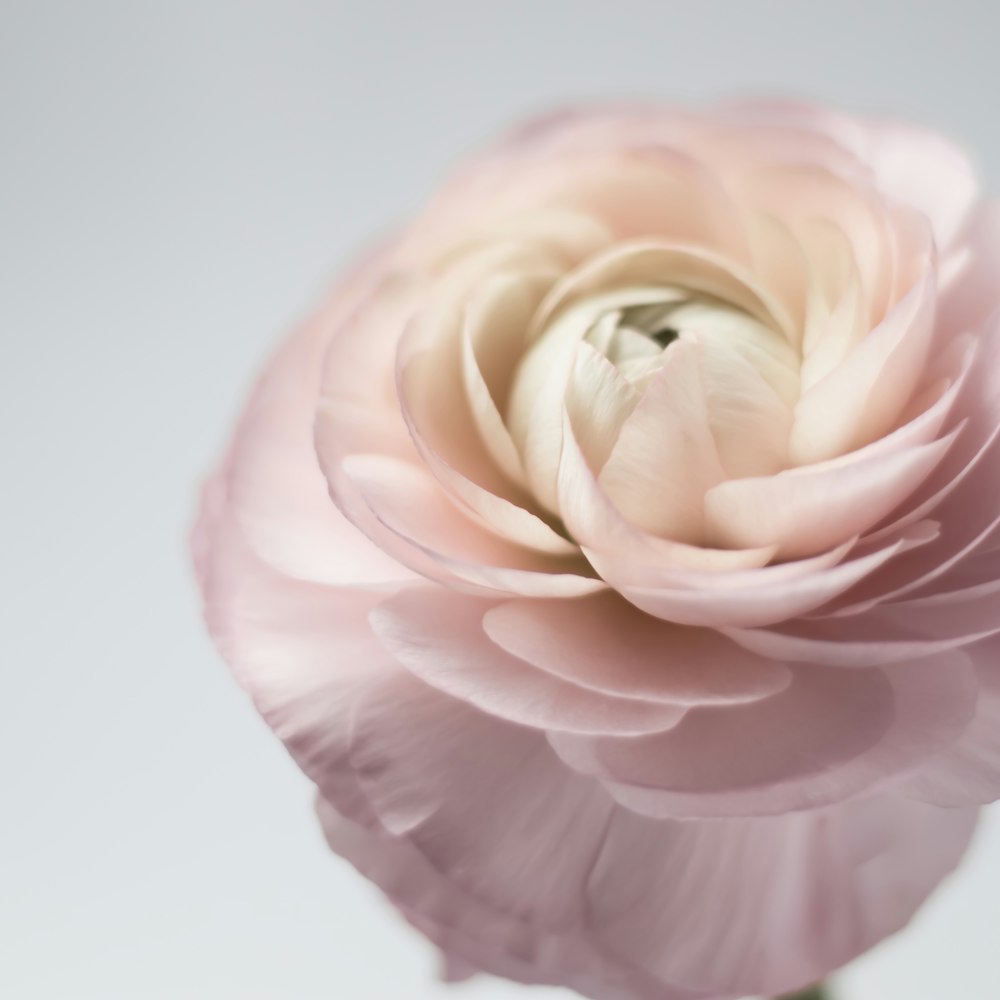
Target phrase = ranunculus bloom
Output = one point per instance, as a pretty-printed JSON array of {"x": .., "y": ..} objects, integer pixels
[{"x": 618, "y": 550}]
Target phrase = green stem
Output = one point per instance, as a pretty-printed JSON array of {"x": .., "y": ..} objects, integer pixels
[{"x": 817, "y": 992}]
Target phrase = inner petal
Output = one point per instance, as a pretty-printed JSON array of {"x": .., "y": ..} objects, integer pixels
[{"x": 671, "y": 389}]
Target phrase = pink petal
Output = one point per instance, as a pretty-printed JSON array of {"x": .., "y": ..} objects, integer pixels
[
  {"x": 909, "y": 163},
  {"x": 960, "y": 492},
  {"x": 803, "y": 194},
  {"x": 405, "y": 511},
  {"x": 870, "y": 640},
  {"x": 603, "y": 644},
  {"x": 446, "y": 777},
  {"x": 775, "y": 597},
  {"x": 440, "y": 417},
  {"x": 656, "y": 192},
  {"x": 769, "y": 905},
  {"x": 968, "y": 773},
  {"x": 493, "y": 341},
  {"x": 970, "y": 614},
  {"x": 497, "y": 504},
  {"x": 804, "y": 511},
  {"x": 278, "y": 490},
  {"x": 834, "y": 331},
  {"x": 438, "y": 635},
  {"x": 529, "y": 872},
  {"x": 455, "y": 969},
  {"x": 457, "y": 885},
  {"x": 919, "y": 167},
  {"x": 302, "y": 651},
  {"x": 521, "y": 868},
  {"x": 830, "y": 735},
  {"x": 434, "y": 377},
  {"x": 864, "y": 396},
  {"x": 968, "y": 293},
  {"x": 489, "y": 422},
  {"x": 780, "y": 266},
  {"x": 614, "y": 545}
]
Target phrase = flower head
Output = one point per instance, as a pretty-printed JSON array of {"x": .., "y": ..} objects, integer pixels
[{"x": 618, "y": 550}]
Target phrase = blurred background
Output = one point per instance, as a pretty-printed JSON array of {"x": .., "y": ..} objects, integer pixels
[{"x": 178, "y": 182}]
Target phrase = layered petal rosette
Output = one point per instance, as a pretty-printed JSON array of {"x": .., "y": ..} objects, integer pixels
[{"x": 618, "y": 550}]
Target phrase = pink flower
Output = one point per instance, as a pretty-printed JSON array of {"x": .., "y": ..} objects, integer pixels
[{"x": 618, "y": 550}]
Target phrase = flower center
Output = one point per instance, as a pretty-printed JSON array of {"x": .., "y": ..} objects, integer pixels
[
  {"x": 650, "y": 376},
  {"x": 655, "y": 321},
  {"x": 635, "y": 338}
]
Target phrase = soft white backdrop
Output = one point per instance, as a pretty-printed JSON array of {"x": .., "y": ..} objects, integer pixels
[{"x": 178, "y": 180}]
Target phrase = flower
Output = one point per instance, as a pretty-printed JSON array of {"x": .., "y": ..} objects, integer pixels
[{"x": 618, "y": 550}]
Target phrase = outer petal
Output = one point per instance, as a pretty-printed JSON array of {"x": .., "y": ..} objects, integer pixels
[
  {"x": 925, "y": 170},
  {"x": 910, "y": 164},
  {"x": 503, "y": 826},
  {"x": 534, "y": 874},
  {"x": 520, "y": 868},
  {"x": 968, "y": 773},
  {"x": 826, "y": 885},
  {"x": 277, "y": 489},
  {"x": 404, "y": 509},
  {"x": 807, "y": 510},
  {"x": 831, "y": 735},
  {"x": 473, "y": 930},
  {"x": 439, "y": 636},
  {"x": 780, "y": 592},
  {"x": 303, "y": 652},
  {"x": 604, "y": 644},
  {"x": 960, "y": 493},
  {"x": 873, "y": 639}
]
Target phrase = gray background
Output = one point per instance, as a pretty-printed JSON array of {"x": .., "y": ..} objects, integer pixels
[{"x": 178, "y": 180}]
